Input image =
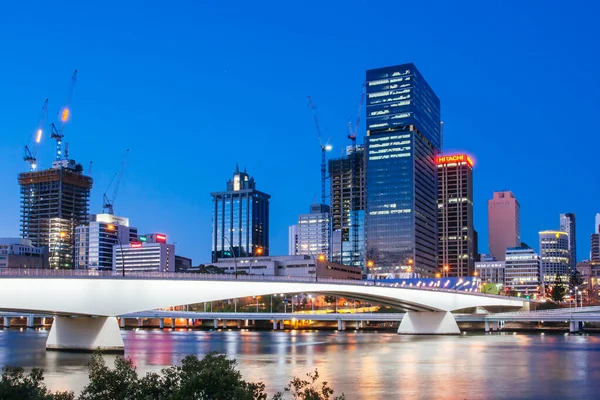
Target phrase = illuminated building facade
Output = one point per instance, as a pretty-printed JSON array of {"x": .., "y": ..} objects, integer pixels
[
  {"x": 347, "y": 188},
  {"x": 567, "y": 224},
  {"x": 240, "y": 221},
  {"x": 490, "y": 271},
  {"x": 522, "y": 270},
  {"x": 313, "y": 231},
  {"x": 403, "y": 138},
  {"x": 555, "y": 256},
  {"x": 504, "y": 223},
  {"x": 53, "y": 203},
  {"x": 456, "y": 240},
  {"x": 150, "y": 254}
]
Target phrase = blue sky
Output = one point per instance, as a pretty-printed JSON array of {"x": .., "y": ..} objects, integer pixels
[{"x": 193, "y": 87}]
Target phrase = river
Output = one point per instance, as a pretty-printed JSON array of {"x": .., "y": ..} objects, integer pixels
[{"x": 364, "y": 365}]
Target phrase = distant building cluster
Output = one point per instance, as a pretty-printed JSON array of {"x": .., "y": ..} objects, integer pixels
[{"x": 397, "y": 207}]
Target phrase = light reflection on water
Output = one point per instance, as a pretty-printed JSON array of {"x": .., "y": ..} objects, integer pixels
[{"x": 363, "y": 365}]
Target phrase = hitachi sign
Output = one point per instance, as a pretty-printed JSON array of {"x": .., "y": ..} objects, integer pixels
[{"x": 442, "y": 160}]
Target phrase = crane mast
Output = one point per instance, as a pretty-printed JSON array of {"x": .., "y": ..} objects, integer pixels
[
  {"x": 109, "y": 203},
  {"x": 31, "y": 157},
  {"x": 354, "y": 176},
  {"x": 64, "y": 115},
  {"x": 325, "y": 147}
]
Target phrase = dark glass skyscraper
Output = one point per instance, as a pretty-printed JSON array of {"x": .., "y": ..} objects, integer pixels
[
  {"x": 240, "y": 219},
  {"x": 403, "y": 137}
]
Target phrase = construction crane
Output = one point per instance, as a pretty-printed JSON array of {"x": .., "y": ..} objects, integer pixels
[
  {"x": 109, "y": 203},
  {"x": 64, "y": 114},
  {"x": 325, "y": 147},
  {"x": 354, "y": 224},
  {"x": 31, "y": 157}
]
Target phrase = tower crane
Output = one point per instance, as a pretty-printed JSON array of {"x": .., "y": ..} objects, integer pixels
[
  {"x": 353, "y": 132},
  {"x": 109, "y": 203},
  {"x": 64, "y": 114},
  {"x": 31, "y": 157},
  {"x": 325, "y": 147}
]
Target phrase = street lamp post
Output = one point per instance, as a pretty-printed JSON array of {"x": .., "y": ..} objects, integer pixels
[{"x": 234, "y": 258}]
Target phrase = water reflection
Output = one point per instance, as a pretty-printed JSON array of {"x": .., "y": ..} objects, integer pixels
[{"x": 364, "y": 365}]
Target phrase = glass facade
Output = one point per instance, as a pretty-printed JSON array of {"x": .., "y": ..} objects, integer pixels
[
  {"x": 240, "y": 219},
  {"x": 403, "y": 138},
  {"x": 555, "y": 256}
]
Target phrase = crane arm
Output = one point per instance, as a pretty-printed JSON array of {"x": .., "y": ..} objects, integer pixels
[{"x": 118, "y": 178}]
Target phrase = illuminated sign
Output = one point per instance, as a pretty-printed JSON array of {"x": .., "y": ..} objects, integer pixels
[
  {"x": 161, "y": 238},
  {"x": 442, "y": 160},
  {"x": 136, "y": 244},
  {"x": 143, "y": 238}
]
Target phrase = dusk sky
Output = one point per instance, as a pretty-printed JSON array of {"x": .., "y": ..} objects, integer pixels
[{"x": 193, "y": 87}]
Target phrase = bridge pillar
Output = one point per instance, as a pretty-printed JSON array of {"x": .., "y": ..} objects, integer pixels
[
  {"x": 428, "y": 323},
  {"x": 216, "y": 323},
  {"x": 140, "y": 322},
  {"x": 497, "y": 325},
  {"x": 161, "y": 323},
  {"x": 274, "y": 324},
  {"x": 282, "y": 324},
  {"x": 6, "y": 322},
  {"x": 224, "y": 324},
  {"x": 239, "y": 323},
  {"x": 573, "y": 326},
  {"x": 30, "y": 321},
  {"x": 85, "y": 334},
  {"x": 487, "y": 326},
  {"x": 341, "y": 325}
]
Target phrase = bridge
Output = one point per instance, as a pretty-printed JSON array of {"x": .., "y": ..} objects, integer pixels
[{"x": 85, "y": 303}]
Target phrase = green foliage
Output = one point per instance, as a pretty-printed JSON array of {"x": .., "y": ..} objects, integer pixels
[
  {"x": 214, "y": 377},
  {"x": 308, "y": 389},
  {"x": 15, "y": 385},
  {"x": 558, "y": 290}
]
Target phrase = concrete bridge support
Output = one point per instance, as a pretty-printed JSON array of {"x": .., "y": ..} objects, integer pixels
[
  {"x": 573, "y": 326},
  {"x": 161, "y": 323},
  {"x": 428, "y": 323},
  {"x": 122, "y": 322},
  {"x": 6, "y": 322},
  {"x": 239, "y": 324},
  {"x": 341, "y": 325},
  {"x": 274, "y": 324},
  {"x": 85, "y": 334},
  {"x": 487, "y": 326},
  {"x": 30, "y": 321},
  {"x": 216, "y": 323},
  {"x": 282, "y": 324},
  {"x": 224, "y": 324}
]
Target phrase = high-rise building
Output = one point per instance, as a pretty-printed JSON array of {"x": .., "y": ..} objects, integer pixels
[
  {"x": 53, "y": 203},
  {"x": 504, "y": 223},
  {"x": 292, "y": 239},
  {"x": 555, "y": 256},
  {"x": 597, "y": 223},
  {"x": 240, "y": 223},
  {"x": 595, "y": 248},
  {"x": 403, "y": 138},
  {"x": 456, "y": 235},
  {"x": 522, "y": 270},
  {"x": 94, "y": 242},
  {"x": 347, "y": 189},
  {"x": 313, "y": 231},
  {"x": 567, "y": 224}
]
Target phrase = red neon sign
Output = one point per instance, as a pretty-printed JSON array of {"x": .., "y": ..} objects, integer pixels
[
  {"x": 161, "y": 238},
  {"x": 443, "y": 160},
  {"x": 136, "y": 244}
]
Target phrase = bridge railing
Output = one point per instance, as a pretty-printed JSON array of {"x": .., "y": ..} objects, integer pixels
[{"x": 91, "y": 273}]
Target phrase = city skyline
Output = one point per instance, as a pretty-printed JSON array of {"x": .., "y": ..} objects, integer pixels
[{"x": 168, "y": 130}]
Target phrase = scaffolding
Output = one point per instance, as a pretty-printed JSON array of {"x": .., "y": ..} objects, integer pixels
[{"x": 53, "y": 203}]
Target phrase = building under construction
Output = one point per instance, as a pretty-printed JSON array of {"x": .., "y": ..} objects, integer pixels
[
  {"x": 347, "y": 190},
  {"x": 53, "y": 203}
]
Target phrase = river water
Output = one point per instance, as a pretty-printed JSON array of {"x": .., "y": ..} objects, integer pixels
[{"x": 364, "y": 365}]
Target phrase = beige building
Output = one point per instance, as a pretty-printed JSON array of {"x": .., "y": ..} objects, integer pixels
[{"x": 504, "y": 223}]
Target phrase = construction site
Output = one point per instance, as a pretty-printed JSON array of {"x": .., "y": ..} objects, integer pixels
[{"x": 54, "y": 200}]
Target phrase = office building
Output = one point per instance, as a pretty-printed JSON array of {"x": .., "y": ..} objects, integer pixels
[
  {"x": 555, "y": 256},
  {"x": 595, "y": 248},
  {"x": 151, "y": 253},
  {"x": 94, "y": 242},
  {"x": 347, "y": 189},
  {"x": 522, "y": 270},
  {"x": 298, "y": 265},
  {"x": 597, "y": 223},
  {"x": 313, "y": 231},
  {"x": 504, "y": 223},
  {"x": 456, "y": 234},
  {"x": 292, "y": 239},
  {"x": 490, "y": 271},
  {"x": 403, "y": 137},
  {"x": 567, "y": 224},
  {"x": 20, "y": 253},
  {"x": 53, "y": 203},
  {"x": 183, "y": 264},
  {"x": 240, "y": 219}
]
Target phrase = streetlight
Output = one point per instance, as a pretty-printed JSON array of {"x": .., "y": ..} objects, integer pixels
[
  {"x": 114, "y": 229},
  {"x": 233, "y": 254},
  {"x": 259, "y": 251},
  {"x": 446, "y": 269},
  {"x": 370, "y": 264}
]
